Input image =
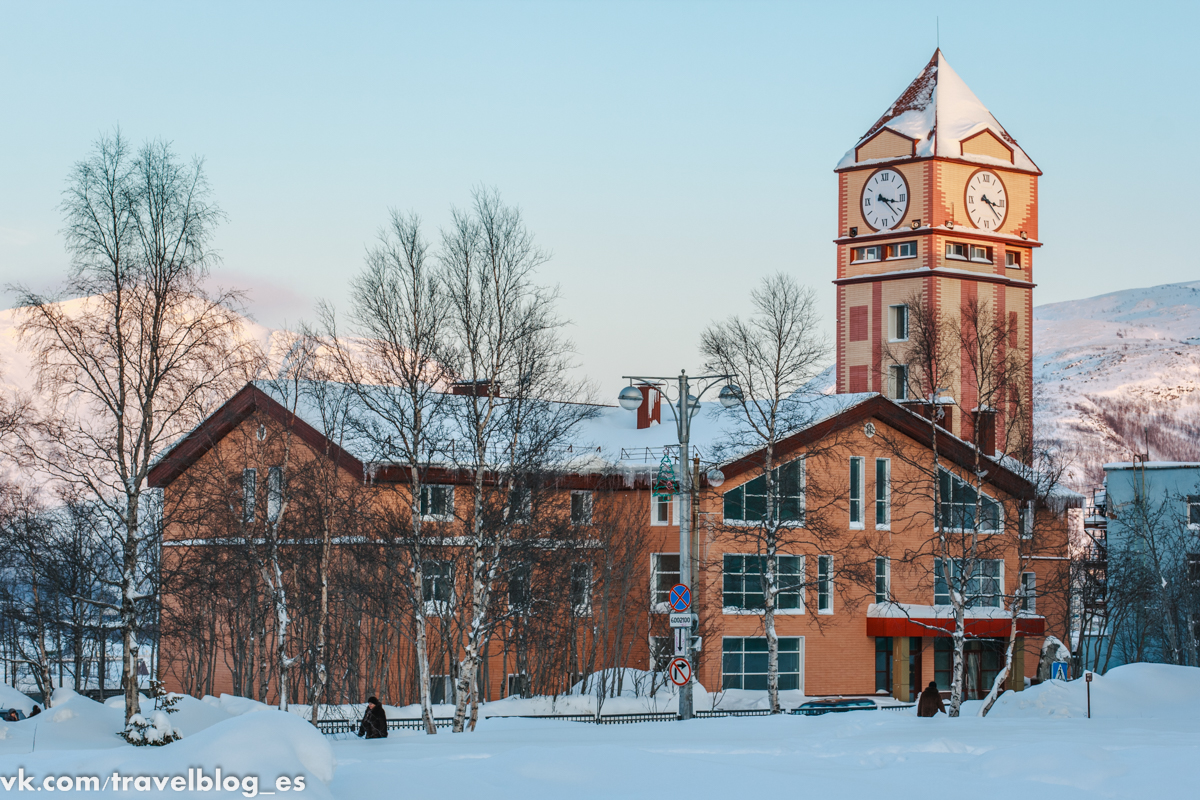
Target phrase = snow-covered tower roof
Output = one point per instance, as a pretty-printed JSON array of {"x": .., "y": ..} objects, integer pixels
[{"x": 943, "y": 118}]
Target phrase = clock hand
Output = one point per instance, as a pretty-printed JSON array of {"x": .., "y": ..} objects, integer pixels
[
  {"x": 883, "y": 199},
  {"x": 991, "y": 205}
]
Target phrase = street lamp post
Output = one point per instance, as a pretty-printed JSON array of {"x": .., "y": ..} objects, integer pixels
[{"x": 683, "y": 408}]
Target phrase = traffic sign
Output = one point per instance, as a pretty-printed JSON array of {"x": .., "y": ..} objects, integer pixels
[
  {"x": 680, "y": 671},
  {"x": 680, "y": 598},
  {"x": 681, "y": 635},
  {"x": 681, "y": 620},
  {"x": 1058, "y": 671}
]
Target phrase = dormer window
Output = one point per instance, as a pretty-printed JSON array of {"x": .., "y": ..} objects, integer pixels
[{"x": 872, "y": 253}]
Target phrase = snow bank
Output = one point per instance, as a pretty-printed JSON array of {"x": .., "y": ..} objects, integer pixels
[
  {"x": 11, "y": 698},
  {"x": 1145, "y": 691}
]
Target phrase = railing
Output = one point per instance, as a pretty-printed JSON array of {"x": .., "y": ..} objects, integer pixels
[{"x": 336, "y": 726}]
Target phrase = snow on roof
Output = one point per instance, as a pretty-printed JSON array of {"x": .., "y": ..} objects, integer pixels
[
  {"x": 609, "y": 437},
  {"x": 916, "y": 611},
  {"x": 1152, "y": 465},
  {"x": 938, "y": 110}
]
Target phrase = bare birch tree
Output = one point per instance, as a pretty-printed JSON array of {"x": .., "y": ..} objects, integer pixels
[
  {"x": 773, "y": 355},
  {"x": 504, "y": 332},
  {"x": 398, "y": 374},
  {"x": 139, "y": 352}
]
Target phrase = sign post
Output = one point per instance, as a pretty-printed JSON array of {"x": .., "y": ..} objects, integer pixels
[
  {"x": 680, "y": 600},
  {"x": 1087, "y": 677}
]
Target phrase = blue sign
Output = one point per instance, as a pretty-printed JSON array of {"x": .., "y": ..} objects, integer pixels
[
  {"x": 680, "y": 598},
  {"x": 1058, "y": 671}
]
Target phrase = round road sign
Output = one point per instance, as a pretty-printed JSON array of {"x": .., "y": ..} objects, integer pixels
[
  {"x": 680, "y": 671},
  {"x": 680, "y": 598}
]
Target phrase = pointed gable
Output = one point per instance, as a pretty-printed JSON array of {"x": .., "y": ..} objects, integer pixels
[{"x": 943, "y": 118}]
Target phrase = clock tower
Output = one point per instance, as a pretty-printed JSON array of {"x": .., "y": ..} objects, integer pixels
[{"x": 937, "y": 220}]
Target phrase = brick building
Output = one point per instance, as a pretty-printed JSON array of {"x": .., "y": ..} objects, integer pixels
[{"x": 938, "y": 206}]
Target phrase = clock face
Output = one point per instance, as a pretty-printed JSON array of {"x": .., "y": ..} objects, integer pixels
[
  {"x": 884, "y": 199},
  {"x": 987, "y": 202}
]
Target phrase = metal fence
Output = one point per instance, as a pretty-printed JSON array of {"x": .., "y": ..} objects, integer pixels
[{"x": 336, "y": 726}]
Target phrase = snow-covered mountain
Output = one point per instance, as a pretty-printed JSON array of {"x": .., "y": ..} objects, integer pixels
[{"x": 1119, "y": 374}]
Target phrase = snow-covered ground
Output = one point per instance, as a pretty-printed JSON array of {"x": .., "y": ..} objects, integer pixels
[{"x": 1142, "y": 741}]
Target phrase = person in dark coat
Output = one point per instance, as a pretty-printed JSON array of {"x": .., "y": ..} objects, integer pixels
[
  {"x": 35, "y": 711},
  {"x": 930, "y": 701},
  {"x": 374, "y": 721}
]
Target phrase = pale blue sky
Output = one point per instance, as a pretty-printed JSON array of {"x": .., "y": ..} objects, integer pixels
[{"x": 668, "y": 154}]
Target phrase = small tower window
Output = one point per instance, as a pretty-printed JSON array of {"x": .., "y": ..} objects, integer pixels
[{"x": 872, "y": 253}]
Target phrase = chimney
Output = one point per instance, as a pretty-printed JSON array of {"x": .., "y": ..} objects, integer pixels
[
  {"x": 984, "y": 420},
  {"x": 471, "y": 388},
  {"x": 651, "y": 408},
  {"x": 931, "y": 411}
]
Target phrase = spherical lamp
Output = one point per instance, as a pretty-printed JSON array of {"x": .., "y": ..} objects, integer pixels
[
  {"x": 730, "y": 396},
  {"x": 630, "y": 398},
  {"x": 715, "y": 477}
]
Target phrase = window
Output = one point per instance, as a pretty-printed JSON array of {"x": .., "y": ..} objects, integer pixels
[
  {"x": 1193, "y": 567},
  {"x": 824, "y": 584},
  {"x": 958, "y": 506},
  {"x": 883, "y": 493},
  {"x": 581, "y": 508},
  {"x": 902, "y": 250},
  {"x": 664, "y": 573},
  {"x": 662, "y": 510},
  {"x": 520, "y": 596},
  {"x": 742, "y": 588},
  {"x": 581, "y": 588},
  {"x": 437, "y": 586},
  {"x": 437, "y": 502},
  {"x": 1193, "y": 511},
  {"x": 983, "y": 254},
  {"x": 518, "y": 684},
  {"x": 520, "y": 504},
  {"x": 1029, "y": 592},
  {"x": 883, "y": 579},
  {"x": 985, "y": 587},
  {"x": 274, "y": 494},
  {"x": 898, "y": 323},
  {"x": 249, "y": 491},
  {"x": 1012, "y": 259},
  {"x": 883, "y": 664},
  {"x": 441, "y": 689},
  {"x": 744, "y": 662},
  {"x": 856, "y": 492},
  {"x": 662, "y": 650},
  {"x": 748, "y": 502},
  {"x": 898, "y": 382},
  {"x": 943, "y": 662},
  {"x": 1025, "y": 520},
  {"x": 956, "y": 250},
  {"x": 871, "y": 253}
]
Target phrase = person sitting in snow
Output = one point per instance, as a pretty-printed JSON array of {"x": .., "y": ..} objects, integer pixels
[
  {"x": 374, "y": 721},
  {"x": 930, "y": 701},
  {"x": 35, "y": 710}
]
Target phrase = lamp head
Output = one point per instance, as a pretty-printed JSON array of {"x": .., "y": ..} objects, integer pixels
[
  {"x": 730, "y": 396},
  {"x": 630, "y": 398}
]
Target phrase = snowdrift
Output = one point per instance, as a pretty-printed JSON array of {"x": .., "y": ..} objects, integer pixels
[{"x": 1144, "y": 691}]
